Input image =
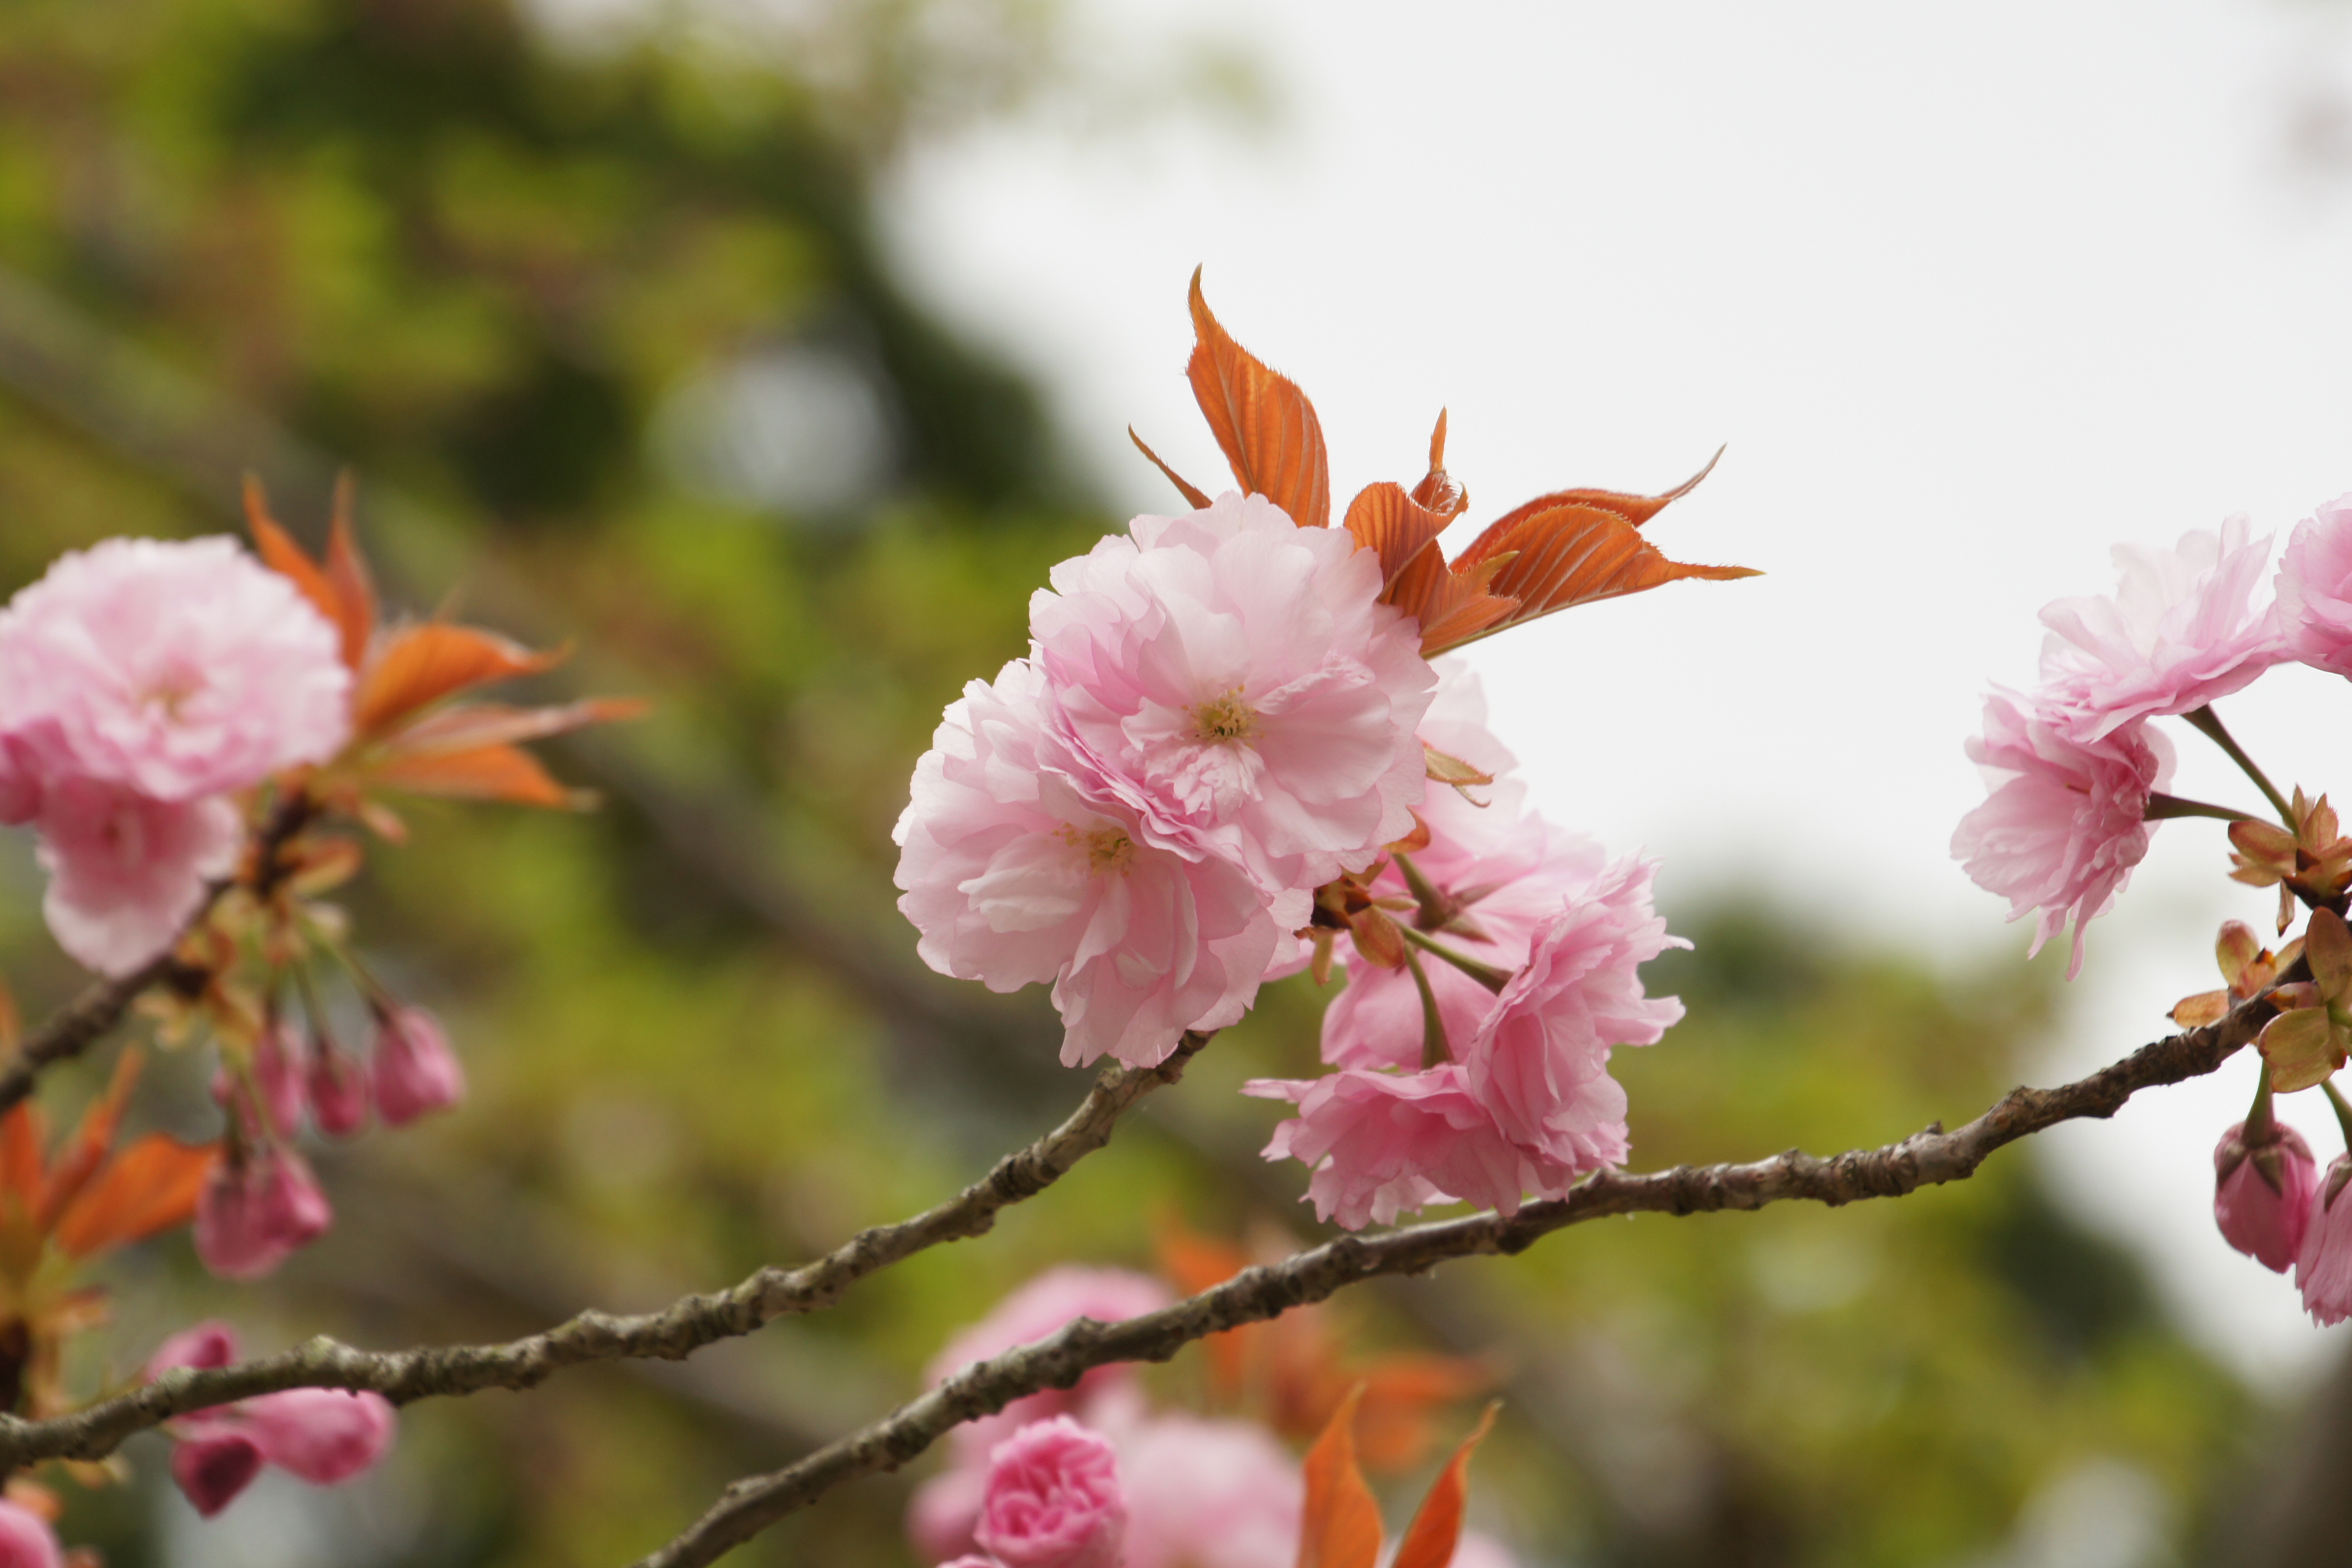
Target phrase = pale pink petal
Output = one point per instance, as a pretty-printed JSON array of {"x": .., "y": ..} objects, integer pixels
[{"x": 128, "y": 871}]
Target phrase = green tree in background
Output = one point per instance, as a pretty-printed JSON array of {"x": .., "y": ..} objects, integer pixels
[{"x": 606, "y": 334}]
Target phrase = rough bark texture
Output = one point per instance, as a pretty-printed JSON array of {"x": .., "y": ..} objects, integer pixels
[{"x": 671, "y": 1334}]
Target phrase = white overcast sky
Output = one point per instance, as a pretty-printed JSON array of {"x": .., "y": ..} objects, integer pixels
[{"x": 1972, "y": 293}]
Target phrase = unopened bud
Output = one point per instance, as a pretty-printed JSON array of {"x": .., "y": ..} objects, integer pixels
[
  {"x": 416, "y": 1071},
  {"x": 2262, "y": 1194},
  {"x": 252, "y": 1214},
  {"x": 212, "y": 1468},
  {"x": 341, "y": 1099}
]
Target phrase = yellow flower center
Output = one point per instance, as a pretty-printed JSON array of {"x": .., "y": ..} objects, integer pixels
[
  {"x": 1108, "y": 848},
  {"x": 1224, "y": 719}
]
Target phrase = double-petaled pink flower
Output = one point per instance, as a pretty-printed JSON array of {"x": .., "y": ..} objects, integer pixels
[
  {"x": 2315, "y": 589},
  {"x": 1235, "y": 678},
  {"x": 322, "y": 1436},
  {"x": 2067, "y": 818},
  {"x": 2323, "y": 1267},
  {"x": 2181, "y": 629},
  {"x": 1381, "y": 1143},
  {"x": 25, "y": 1539},
  {"x": 140, "y": 681},
  {"x": 1053, "y": 1498},
  {"x": 1020, "y": 864}
]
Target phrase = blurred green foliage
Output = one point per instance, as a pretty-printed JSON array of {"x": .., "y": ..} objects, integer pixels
[{"x": 494, "y": 271}]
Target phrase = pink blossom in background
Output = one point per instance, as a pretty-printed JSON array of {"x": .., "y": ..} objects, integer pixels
[
  {"x": 323, "y": 1435},
  {"x": 1381, "y": 1143},
  {"x": 20, "y": 781},
  {"x": 1209, "y": 1494},
  {"x": 1541, "y": 1063},
  {"x": 280, "y": 1061},
  {"x": 2180, "y": 630},
  {"x": 2265, "y": 1222},
  {"x": 341, "y": 1098},
  {"x": 1233, "y": 677},
  {"x": 1019, "y": 867},
  {"x": 1456, "y": 722},
  {"x": 2067, "y": 820},
  {"x": 252, "y": 1214},
  {"x": 127, "y": 871},
  {"x": 2323, "y": 1268},
  {"x": 1051, "y": 1301},
  {"x": 944, "y": 1511},
  {"x": 1053, "y": 1498},
  {"x": 2315, "y": 589},
  {"x": 177, "y": 669},
  {"x": 25, "y": 1539},
  {"x": 416, "y": 1072}
]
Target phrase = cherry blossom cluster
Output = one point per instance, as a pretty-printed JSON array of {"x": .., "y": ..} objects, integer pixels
[
  {"x": 1094, "y": 1476},
  {"x": 2077, "y": 772}
]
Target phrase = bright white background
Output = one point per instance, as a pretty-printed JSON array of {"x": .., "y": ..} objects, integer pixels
[{"x": 1971, "y": 293}]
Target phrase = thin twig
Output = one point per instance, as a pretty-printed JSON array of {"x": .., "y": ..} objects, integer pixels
[
  {"x": 1925, "y": 1159},
  {"x": 671, "y": 1334}
]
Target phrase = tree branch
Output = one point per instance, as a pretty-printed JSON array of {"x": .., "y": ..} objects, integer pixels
[
  {"x": 671, "y": 1334},
  {"x": 1925, "y": 1159}
]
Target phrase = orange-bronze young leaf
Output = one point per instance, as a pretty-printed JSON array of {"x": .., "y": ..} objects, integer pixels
[
  {"x": 1635, "y": 509},
  {"x": 1384, "y": 518},
  {"x": 1452, "y": 602},
  {"x": 420, "y": 665},
  {"x": 1265, "y": 424},
  {"x": 1439, "y": 491},
  {"x": 338, "y": 586},
  {"x": 347, "y": 570},
  {"x": 1194, "y": 496},
  {"x": 152, "y": 1186},
  {"x": 1340, "y": 1525},
  {"x": 480, "y": 773},
  {"x": 1436, "y": 1528},
  {"x": 1572, "y": 554}
]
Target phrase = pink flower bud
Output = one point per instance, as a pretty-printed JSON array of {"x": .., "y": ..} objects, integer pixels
[
  {"x": 416, "y": 1071},
  {"x": 340, "y": 1099},
  {"x": 278, "y": 1058},
  {"x": 207, "y": 1344},
  {"x": 25, "y": 1539},
  {"x": 250, "y": 1216},
  {"x": 1054, "y": 1498},
  {"x": 2262, "y": 1194},
  {"x": 322, "y": 1434},
  {"x": 210, "y": 1469},
  {"x": 2323, "y": 1267}
]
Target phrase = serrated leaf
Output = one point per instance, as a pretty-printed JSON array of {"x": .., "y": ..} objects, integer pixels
[
  {"x": 1452, "y": 606},
  {"x": 1193, "y": 494},
  {"x": 421, "y": 664},
  {"x": 1339, "y": 1526},
  {"x": 2302, "y": 1047},
  {"x": 1436, "y": 1528},
  {"x": 2205, "y": 1007},
  {"x": 1265, "y": 425},
  {"x": 1383, "y": 517},
  {"x": 2328, "y": 948},
  {"x": 1576, "y": 554},
  {"x": 1635, "y": 509}
]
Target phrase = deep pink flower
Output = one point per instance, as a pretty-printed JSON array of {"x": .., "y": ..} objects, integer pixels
[
  {"x": 416, "y": 1071},
  {"x": 1018, "y": 866},
  {"x": 20, "y": 781},
  {"x": 1053, "y": 1300},
  {"x": 252, "y": 1214},
  {"x": 1540, "y": 1064},
  {"x": 126, "y": 872},
  {"x": 179, "y": 669},
  {"x": 2315, "y": 589},
  {"x": 2262, "y": 1197},
  {"x": 207, "y": 1344},
  {"x": 1209, "y": 1494},
  {"x": 2063, "y": 828},
  {"x": 1053, "y": 1498},
  {"x": 1234, "y": 678},
  {"x": 1381, "y": 1143},
  {"x": 280, "y": 1060},
  {"x": 2180, "y": 631},
  {"x": 212, "y": 1466},
  {"x": 321, "y": 1434},
  {"x": 25, "y": 1539},
  {"x": 341, "y": 1099},
  {"x": 2323, "y": 1268}
]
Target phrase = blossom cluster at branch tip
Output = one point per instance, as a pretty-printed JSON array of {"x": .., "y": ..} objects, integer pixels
[{"x": 322, "y": 1436}]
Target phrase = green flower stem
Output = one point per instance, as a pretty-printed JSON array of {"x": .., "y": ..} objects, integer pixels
[
  {"x": 2259, "y": 1119},
  {"x": 2343, "y": 1111},
  {"x": 2209, "y": 723},
  {"x": 1434, "y": 1046},
  {"x": 1485, "y": 975},
  {"x": 2162, "y": 807},
  {"x": 1425, "y": 892}
]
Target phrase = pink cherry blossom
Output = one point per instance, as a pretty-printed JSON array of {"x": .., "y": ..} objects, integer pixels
[
  {"x": 2262, "y": 1197},
  {"x": 1053, "y": 1498},
  {"x": 2180, "y": 630},
  {"x": 1456, "y": 722},
  {"x": 25, "y": 1539},
  {"x": 252, "y": 1214},
  {"x": 416, "y": 1071},
  {"x": 1540, "y": 1064},
  {"x": 944, "y": 1509},
  {"x": 2315, "y": 589},
  {"x": 322, "y": 1436},
  {"x": 1019, "y": 867},
  {"x": 1381, "y": 1143},
  {"x": 127, "y": 871},
  {"x": 1052, "y": 1301},
  {"x": 341, "y": 1098},
  {"x": 212, "y": 1466},
  {"x": 1235, "y": 678},
  {"x": 2323, "y": 1267},
  {"x": 20, "y": 781},
  {"x": 280, "y": 1060},
  {"x": 1209, "y": 1494},
  {"x": 2067, "y": 820},
  {"x": 179, "y": 669}
]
